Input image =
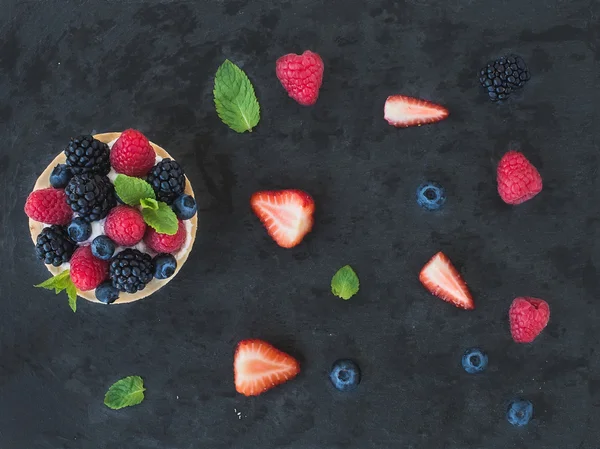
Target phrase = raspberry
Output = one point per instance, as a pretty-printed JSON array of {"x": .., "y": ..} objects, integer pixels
[
  {"x": 125, "y": 225},
  {"x": 518, "y": 179},
  {"x": 301, "y": 76},
  {"x": 163, "y": 243},
  {"x": 87, "y": 271},
  {"x": 528, "y": 317},
  {"x": 132, "y": 154},
  {"x": 48, "y": 206}
]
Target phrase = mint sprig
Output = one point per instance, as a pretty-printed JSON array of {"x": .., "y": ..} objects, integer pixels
[
  {"x": 345, "y": 283},
  {"x": 137, "y": 192},
  {"x": 125, "y": 393},
  {"x": 235, "y": 99},
  {"x": 132, "y": 190},
  {"x": 159, "y": 216},
  {"x": 62, "y": 282}
]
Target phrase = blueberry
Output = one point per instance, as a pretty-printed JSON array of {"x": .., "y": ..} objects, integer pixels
[
  {"x": 103, "y": 247},
  {"x": 164, "y": 266},
  {"x": 106, "y": 293},
  {"x": 345, "y": 375},
  {"x": 185, "y": 207},
  {"x": 79, "y": 230},
  {"x": 431, "y": 195},
  {"x": 60, "y": 176},
  {"x": 519, "y": 412},
  {"x": 474, "y": 360}
]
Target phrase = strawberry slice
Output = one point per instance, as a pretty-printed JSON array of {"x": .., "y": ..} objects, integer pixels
[
  {"x": 442, "y": 280},
  {"x": 402, "y": 112},
  {"x": 287, "y": 214},
  {"x": 258, "y": 367}
]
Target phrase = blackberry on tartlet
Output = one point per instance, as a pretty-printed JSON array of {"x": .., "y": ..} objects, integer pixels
[
  {"x": 87, "y": 155},
  {"x": 503, "y": 76},
  {"x": 54, "y": 246},
  {"x": 91, "y": 196},
  {"x": 167, "y": 179},
  {"x": 131, "y": 270}
]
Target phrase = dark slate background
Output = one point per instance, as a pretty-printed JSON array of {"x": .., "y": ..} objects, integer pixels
[{"x": 105, "y": 65}]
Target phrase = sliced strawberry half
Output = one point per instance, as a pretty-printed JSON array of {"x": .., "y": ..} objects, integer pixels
[
  {"x": 287, "y": 214},
  {"x": 402, "y": 112},
  {"x": 258, "y": 367},
  {"x": 442, "y": 280}
]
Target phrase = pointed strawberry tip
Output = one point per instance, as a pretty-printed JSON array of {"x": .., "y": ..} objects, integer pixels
[{"x": 442, "y": 280}]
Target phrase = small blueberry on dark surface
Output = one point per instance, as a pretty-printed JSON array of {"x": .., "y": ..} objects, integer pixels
[
  {"x": 185, "y": 207},
  {"x": 474, "y": 360},
  {"x": 431, "y": 195},
  {"x": 345, "y": 375},
  {"x": 60, "y": 176},
  {"x": 519, "y": 412},
  {"x": 164, "y": 266},
  {"x": 103, "y": 247},
  {"x": 106, "y": 293},
  {"x": 79, "y": 230}
]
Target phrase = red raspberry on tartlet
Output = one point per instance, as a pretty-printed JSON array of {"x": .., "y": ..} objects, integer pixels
[
  {"x": 125, "y": 226},
  {"x": 49, "y": 206},
  {"x": 163, "y": 243},
  {"x": 87, "y": 271},
  {"x": 132, "y": 154}
]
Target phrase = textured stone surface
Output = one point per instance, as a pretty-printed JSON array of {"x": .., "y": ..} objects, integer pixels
[{"x": 73, "y": 67}]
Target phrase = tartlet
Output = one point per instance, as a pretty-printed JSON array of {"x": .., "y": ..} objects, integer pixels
[{"x": 154, "y": 285}]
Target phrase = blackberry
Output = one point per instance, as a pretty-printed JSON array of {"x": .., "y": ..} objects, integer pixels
[
  {"x": 503, "y": 76},
  {"x": 167, "y": 179},
  {"x": 91, "y": 196},
  {"x": 131, "y": 270},
  {"x": 88, "y": 155},
  {"x": 54, "y": 246}
]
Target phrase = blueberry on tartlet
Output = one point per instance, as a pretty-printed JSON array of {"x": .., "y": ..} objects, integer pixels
[
  {"x": 164, "y": 266},
  {"x": 79, "y": 230}
]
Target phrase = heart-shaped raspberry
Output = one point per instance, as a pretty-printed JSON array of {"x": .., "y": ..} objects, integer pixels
[{"x": 528, "y": 317}]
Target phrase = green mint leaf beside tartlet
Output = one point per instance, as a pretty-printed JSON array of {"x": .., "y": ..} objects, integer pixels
[
  {"x": 345, "y": 283},
  {"x": 62, "y": 282},
  {"x": 132, "y": 190},
  {"x": 125, "y": 393},
  {"x": 235, "y": 99},
  {"x": 159, "y": 216}
]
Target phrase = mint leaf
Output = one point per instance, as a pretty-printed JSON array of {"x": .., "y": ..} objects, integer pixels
[
  {"x": 132, "y": 190},
  {"x": 149, "y": 203},
  {"x": 125, "y": 392},
  {"x": 235, "y": 99},
  {"x": 345, "y": 283},
  {"x": 72, "y": 294},
  {"x": 62, "y": 281},
  {"x": 162, "y": 219}
]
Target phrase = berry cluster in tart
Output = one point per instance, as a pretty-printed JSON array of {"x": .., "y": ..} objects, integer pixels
[{"x": 117, "y": 212}]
